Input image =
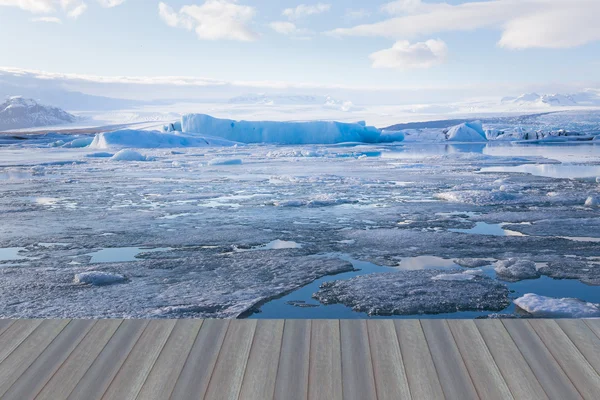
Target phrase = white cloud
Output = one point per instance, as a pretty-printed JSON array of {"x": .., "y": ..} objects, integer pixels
[
  {"x": 524, "y": 23},
  {"x": 213, "y": 20},
  {"x": 305, "y": 10},
  {"x": 54, "y": 20},
  {"x": 353, "y": 15},
  {"x": 404, "y": 55},
  {"x": 73, "y": 8},
  {"x": 290, "y": 29}
]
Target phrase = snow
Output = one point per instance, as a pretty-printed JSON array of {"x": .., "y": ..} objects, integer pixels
[
  {"x": 549, "y": 307},
  {"x": 98, "y": 278},
  {"x": 128, "y": 155},
  {"x": 225, "y": 161},
  {"x": 151, "y": 140},
  {"x": 514, "y": 270},
  {"x": 313, "y": 132},
  {"x": 453, "y": 277},
  {"x": 592, "y": 201},
  {"x": 467, "y": 132},
  {"x": 79, "y": 143}
]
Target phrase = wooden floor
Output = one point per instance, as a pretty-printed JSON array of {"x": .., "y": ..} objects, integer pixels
[{"x": 299, "y": 359}]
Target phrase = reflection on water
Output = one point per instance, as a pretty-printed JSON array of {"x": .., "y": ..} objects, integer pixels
[
  {"x": 483, "y": 228},
  {"x": 119, "y": 254},
  {"x": 564, "y": 171}
]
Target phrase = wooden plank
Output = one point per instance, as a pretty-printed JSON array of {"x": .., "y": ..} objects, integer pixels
[
  {"x": 15, "y": 335},
  {"x": 39, "y": 373},
  {"x": 162, "y": 379},
  {"x": 584, "y": 338},
  {"x": 134, "y": 371},
  {"x": 294, "y": 360},
  {"x": 388, "y": 366},
  {"x": 228, "y": 374},
  {"x": 5, "y": 324},
  {"x": 420, "y": 370},
  {"x": 573, "y": 363},
  {"x": 23, "y": 356},
  {"x": 552, "y": 378},
  {"x": 484, "y": 372},
  {"x": 72, "y": 370},
  {"x": 358, "y": 381},
  {"x": 594, "y": 325},
  {"x": 98, "y": 377},
  {"x": 325, "y": 370},
  {"x": 452, "y": 372},
  {"x": 261, "y": 370},
  {"x": 195, "y": 375},
  {"x": 518, "y": 375}
]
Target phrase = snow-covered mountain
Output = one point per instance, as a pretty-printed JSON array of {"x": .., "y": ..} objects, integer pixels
[
  {"x": 586, "y": 98},
  {"x": 18, "y": 112}
]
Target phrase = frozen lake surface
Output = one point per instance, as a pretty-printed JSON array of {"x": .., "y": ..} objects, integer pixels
[{"x": 322, "y": 231}]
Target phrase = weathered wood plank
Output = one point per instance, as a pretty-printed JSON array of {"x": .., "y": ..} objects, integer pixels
[
  {"x": 15, "y": 335},
  {"x": 357, "y": 368},
  {"x": 23, "y": 356},
  {"x": 594, "y": 325},
  {"x": 420, "y": 370},
  {"x": 484, "y": 372},
  {"x": 5, "y": 324},
  {"x": 195, "y": 375},
  {"x": 518, "y": 375},
  {"x": 228, "y": 374},
  {"x": 162, "y": 378},
  {"x": 388, "y": 366},
  {"x": 292, "y": 376},
  {"x": 39, "y": 373},
  {"x": 325, "y": 376},
  {"x": 573, "y": 363},
  {"x": 454, "y": 376},
  {"x": 584, "y": 338},
  {"x": 98, "y": 377},
  {"x": 263, "y": 362},
  {"x": 552, "y": 378},
  {"x": 134, "y": 371},
  {"x": 79, "y": 361}
]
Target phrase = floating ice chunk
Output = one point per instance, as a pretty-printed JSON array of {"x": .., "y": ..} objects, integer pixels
[
  {"x": 514, "y": 270},
  {"x": 598, "y": 179},
  {"x": 152, "y": 140},
  {"x": 415, "y": 292},
  {"x": 128, "y": 155},
  {"x": 79, "y": 143},
  {"x": 592, "y": 201},
  {"x": 225, "y": 161},
  {"x": 586, "y": 272},
  {"x": 467, "y": 132},
  {"x": 98, "y": 278},
  {"x": 548, "y": 307},
  {"x": 472, "y": 262},
  {"x": 479, "y": 197},
  {"x": 453, "y": 277},
  {"x": 311, "y": 132}
]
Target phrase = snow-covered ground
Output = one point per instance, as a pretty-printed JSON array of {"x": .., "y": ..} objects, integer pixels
[{"x": 165, "y": 224}]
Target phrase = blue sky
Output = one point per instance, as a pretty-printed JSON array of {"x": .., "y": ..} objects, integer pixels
[{"x": 403, "y": 43}]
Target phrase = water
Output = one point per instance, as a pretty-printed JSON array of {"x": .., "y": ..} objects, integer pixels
[
  {"x": 562, "y": 171},
  {"x": 483, "y": 228},
  {"x": 120, "y": 254},
  {"x": 11, "y": 254}
]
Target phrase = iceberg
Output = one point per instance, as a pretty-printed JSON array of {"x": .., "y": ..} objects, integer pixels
[
  {"x": 98, "y": 278},
  {"x": 140, "y": 139},
  {"x": 467, "y": 132},
  {"x": 311, "y": 132},
  {"x": 548, "y": 307}
]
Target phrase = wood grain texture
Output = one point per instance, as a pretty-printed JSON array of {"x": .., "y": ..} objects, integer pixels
[
  {"x": 79, "y": 361},
  {"x": 550, "y": 375},
  {"x": 294, "y": 360},
  {"x": 484, "y": 372},
  {"x": 518, "y": 375},
  {"x": 452, "y": 371},
  {"x": 388, "y": 366},
  {"x": 47, "y": 363},
  {"x": 5, "y": 324},
  {"x": 195, "y": 375},
  {"x": 574, "y": 364},
  {"x": 584, "y": 338},
  {"x": 228, "y": 374},
  {"x": 263, "y": 362},
  {"x": 164, "y": 374},
  {"x": 358, "y": 381},
  {"x": 98, "y": 377},
  {"x": 28, "y": 350},
  {"x": 325, "y": 376},
  {"x": 420, "y": 370},
  {"x": 15, "y": 335}
]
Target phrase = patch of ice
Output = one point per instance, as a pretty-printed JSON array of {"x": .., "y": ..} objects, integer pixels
[
  {"x": 129, "y": 155},
  {"x": 467, "y": 132},
  {"x": 549, "y": 307},
  {"x": 592, "y": 201},
  {"x": 453, "y": 277},
  {"x": 100, "y": 155},
  {"x": 152, "y": 140},
  {"x": 472, "y": 262},
  {"x": 225, "y": 161},
  {"x": 79, "y": 143},
  {"x": 514, "y": 270},
  {"x": 98, "y": 278}
]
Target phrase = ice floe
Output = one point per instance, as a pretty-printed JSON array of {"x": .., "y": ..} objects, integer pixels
[
  {"x": 549, "y": 307},
  {"x": 467, "y": 132},
  {"x": 151, "y": 140},
  {"x": 586, "y": 272},
  {"x": 129, "y": 155},
  {"x": 513, "y": 270},
  {"x": 98, "y": 278}
]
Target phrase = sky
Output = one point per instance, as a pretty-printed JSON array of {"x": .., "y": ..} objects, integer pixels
[{"x": 483, "y": 46}]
